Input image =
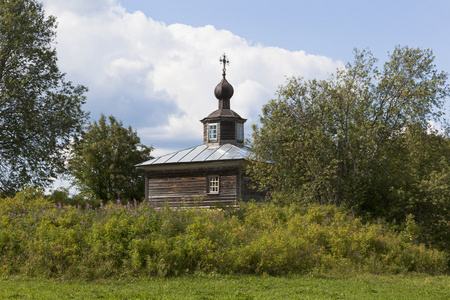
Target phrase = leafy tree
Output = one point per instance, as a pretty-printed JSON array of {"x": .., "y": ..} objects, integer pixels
[
  {"x": 355, "y": 138},
  {"x": 104, "y": 158},
  {"x": 423, "y": 191},
  {"x": 39, "y": 110}
]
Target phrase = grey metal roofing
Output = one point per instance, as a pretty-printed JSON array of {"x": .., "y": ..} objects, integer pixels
[{"x": 200, "y": 153}]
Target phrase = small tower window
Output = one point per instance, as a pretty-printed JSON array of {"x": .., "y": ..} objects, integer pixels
[
  {"x": 213, "y": 184},
  {"x": 212, "y": 132},
  {"x": 240, "y": 132}
]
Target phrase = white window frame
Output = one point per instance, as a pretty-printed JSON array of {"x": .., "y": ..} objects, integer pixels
[
  {"x": 213, "y": 184},
  {"x": 240, "y": 132},
  {"x": 212, "y": 131}
]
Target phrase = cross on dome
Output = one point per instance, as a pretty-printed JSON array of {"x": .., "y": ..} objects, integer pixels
[{"x": 224, "y": 60}]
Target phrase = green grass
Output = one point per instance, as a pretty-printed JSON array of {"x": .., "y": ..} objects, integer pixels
[{"x": 232, "y": 287}]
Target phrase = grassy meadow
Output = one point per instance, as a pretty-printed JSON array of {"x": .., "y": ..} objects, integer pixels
[{"x": 232, "y": 287}]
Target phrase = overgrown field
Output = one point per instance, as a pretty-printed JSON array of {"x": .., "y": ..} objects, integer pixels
[{"x": 39, "y": 238}]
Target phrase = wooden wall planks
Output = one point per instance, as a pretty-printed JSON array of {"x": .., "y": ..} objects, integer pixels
[{"x": 178, "y": 188}]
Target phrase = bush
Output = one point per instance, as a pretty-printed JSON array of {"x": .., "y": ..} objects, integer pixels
[{"x": 40, "y": 238}]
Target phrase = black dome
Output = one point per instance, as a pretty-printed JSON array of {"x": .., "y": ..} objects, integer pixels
[{"x": 224, "y": 90}]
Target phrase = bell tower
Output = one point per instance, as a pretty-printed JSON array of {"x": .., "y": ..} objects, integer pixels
[{"x": 223, "y": 126}]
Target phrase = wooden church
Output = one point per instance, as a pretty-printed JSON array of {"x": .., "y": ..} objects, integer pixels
[{"x": 210, "y": 174}]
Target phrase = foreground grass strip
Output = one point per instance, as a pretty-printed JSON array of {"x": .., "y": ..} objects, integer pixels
[{"x": 232, "y": 287}]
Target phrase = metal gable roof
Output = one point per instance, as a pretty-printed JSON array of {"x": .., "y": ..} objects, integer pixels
[{"x": 200, "y": 153}]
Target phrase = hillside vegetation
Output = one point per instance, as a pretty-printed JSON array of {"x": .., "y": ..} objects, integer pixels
[{"x": 40, "y": 238}]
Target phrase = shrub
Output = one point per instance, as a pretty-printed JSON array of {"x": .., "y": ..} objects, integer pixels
[{"x": 40, "y": 238}]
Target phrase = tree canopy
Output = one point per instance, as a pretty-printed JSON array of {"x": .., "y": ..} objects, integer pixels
[
  {"x": 39, "y": 110},
  {"x": 361, "y": 138},
  {"x": 103, "y": 161}
]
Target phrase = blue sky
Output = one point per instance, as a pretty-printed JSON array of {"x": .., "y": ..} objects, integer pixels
[
  {"x": 322, "y": 27},
  {"x": 154, "y": 64}
]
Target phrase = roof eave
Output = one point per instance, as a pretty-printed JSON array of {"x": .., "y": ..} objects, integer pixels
[{"x": 193, "y": 165}]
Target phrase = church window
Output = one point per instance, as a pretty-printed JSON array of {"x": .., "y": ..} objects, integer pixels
[
  {"x": 213, "y": 184},
  {"x": 212, "y": 132},
  {"x": 240, "y": 132}
]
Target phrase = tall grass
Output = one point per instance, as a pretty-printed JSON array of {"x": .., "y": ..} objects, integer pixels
[{"x": 40, "y": 238}]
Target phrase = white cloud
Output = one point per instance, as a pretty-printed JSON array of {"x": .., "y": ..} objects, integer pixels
[
  {"x": 160, "y": 79},
  {"x": 433, "y": 127}
]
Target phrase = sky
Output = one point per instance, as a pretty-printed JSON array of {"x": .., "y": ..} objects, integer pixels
[{"x": 154, "y": 64}]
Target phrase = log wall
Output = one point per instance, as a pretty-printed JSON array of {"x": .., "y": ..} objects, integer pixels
[{"x": 189, "y": 188}]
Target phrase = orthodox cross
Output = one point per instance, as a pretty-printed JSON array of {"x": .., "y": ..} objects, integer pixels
[{"x": 224, "y": 60}]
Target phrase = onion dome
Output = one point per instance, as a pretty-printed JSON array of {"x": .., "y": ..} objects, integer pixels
[{"x": 224, "y": 90}]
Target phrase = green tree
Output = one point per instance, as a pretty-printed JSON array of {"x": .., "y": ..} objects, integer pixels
[
  {"x": 39, "y": 110},
  {"x": 347, "y": 140},
  {"x": 103, "y": 161},
  {"x": 423, "y": 188}
]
